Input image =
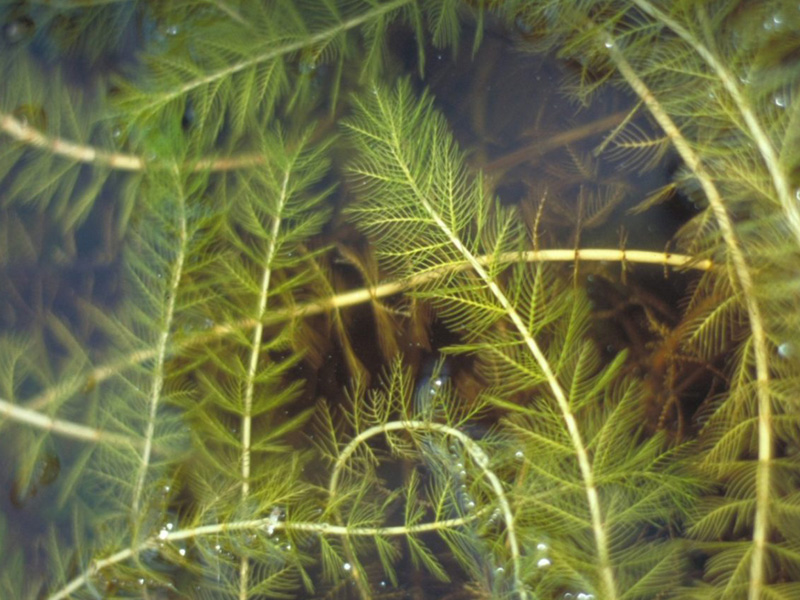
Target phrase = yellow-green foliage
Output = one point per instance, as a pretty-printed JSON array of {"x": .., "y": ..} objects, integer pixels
[{"x": 162, "y": 434}]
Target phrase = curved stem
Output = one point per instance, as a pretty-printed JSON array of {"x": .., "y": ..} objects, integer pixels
[
  {"x": 742, "y": 269},
  {"x": 476, "y": 453},
  {"x": 249, "y": 525},
  {"x": 768, "y": 154}
]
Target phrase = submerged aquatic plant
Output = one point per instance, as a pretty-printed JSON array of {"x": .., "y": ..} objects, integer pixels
[{"x": 182, "y": 233}]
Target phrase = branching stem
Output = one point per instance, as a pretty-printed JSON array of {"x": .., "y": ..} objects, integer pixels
[
  {"x": 157, "y": 383},
  {"x": 361, "y": 296},
  {"x": 768, "y": 154},
  {"x": 745, "y": 279},
  {"x": 476, "y": 453},
  {"x": 576, "y": 439},
  {"x": 253, "y": 525}
]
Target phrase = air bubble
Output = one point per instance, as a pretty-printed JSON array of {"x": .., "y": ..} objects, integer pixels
[
  {"x": 543, "y": 563},
  {"x": 786, "y": 350},
  {"x": 347, "y": 566},
  {"x": 307, "y": 66},
  {"x": 541, "y": 547},
  {"x": 609, "y": 45},
  {"x": 780, "y": 101},
  {"x": 19, "y": 30},
  {"x": 274, "y": 518},
  {"x": 519, "y": 454}
]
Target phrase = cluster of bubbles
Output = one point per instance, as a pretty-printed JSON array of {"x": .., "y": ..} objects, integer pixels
[{"x": 542, "y": 558}]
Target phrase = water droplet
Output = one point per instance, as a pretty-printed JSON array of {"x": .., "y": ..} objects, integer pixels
[
  {"x": 274, "y": 517},
  {"x": 305, "y": 67},
  {"x": 19, "y": 30},
  {"x": 543, "y": 563}
]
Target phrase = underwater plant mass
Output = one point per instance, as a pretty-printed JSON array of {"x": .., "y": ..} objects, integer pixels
[{"x": 400, "y": 299}]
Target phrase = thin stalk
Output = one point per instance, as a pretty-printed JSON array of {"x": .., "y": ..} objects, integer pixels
[
  {"x": 162, "y": 346},
  {"x": 274, "y": 52},
  {"x": 252, "y": 368},
  {"x": 768, "y": 153},
  {"x": 69, "y": 429},
  {"x": 476, "y": 453},
  {"x": 361, "y": 296},
  {"x": 266, "y": 523},
  {"x": 120, "y": 161},
  {"x": 581, "y": 453},
  {"x": 745, "y": 279}
]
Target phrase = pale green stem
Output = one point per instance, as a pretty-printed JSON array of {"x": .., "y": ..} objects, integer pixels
[
  {"x": 255, "y": 353},
  {"x": 581, "y": 453},
  {"x": 161, "y": 357},
  {"x": 68, "y": 429},
  {"x": 476, "y": 453},
  {"x": 273, "y": 53},
  {"x": 761, "y": 138},
  {"x": 745, "y": 279},
  {"x": 267, "y": 523}
]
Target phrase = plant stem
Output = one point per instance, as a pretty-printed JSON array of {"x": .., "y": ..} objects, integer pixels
[
  {"x": 768, "y": 154},
  {"x": 745, "y": 279},
  {"x": 360, "y": 296},
  {"x": 476, "y": 453}
]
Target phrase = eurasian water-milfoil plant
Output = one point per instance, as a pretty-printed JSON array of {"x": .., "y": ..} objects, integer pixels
[{"x": 196, "y": 228}]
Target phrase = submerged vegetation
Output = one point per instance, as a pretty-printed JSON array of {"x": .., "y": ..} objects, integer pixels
[{"x": 231, "y": 232}]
